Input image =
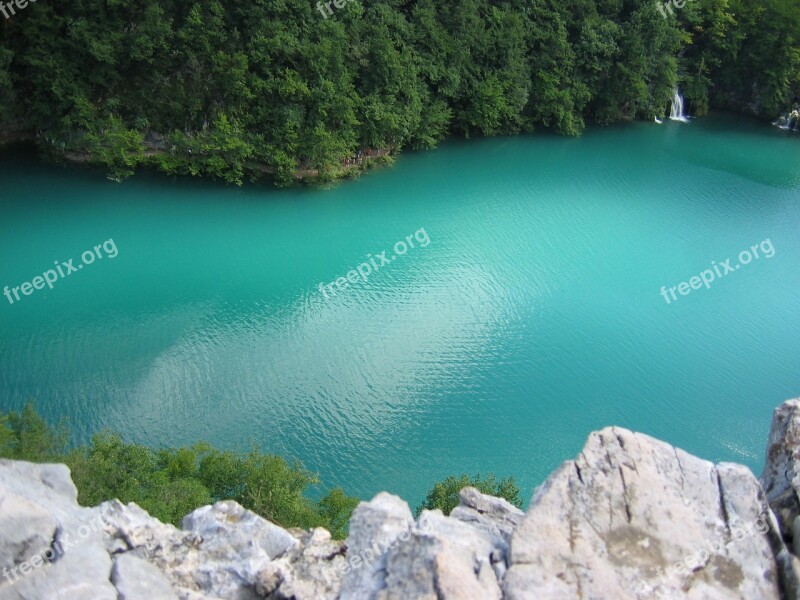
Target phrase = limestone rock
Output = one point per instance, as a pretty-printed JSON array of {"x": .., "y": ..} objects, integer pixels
[
  {"x": 137, "y": 579},
  {"x": 617, "y": 521},
  {"x": 28, "y": 529},
  {"x": 311, "y": 570},
  {"x": 56, "y": 528},
  {"x": 81, "y": 574},
  {"x": 174, "y": 552},
  {"x": 781, "y": 475},
  {"x": 390, "y": 556},
  {"x": 236, "y": 544},
  {"x": 445, "y": 559},
  {"x": 495, "y": 516},
  {"x": 630, "y": 518},
  {"x": 781, "y": 482},
  {"x": 50, "y": 483},
  {"x": 228, "y": 528},
  {"x": 374, "y": 527}
]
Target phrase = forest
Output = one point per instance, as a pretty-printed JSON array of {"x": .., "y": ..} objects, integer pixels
[{"x": 275, "y": 88}]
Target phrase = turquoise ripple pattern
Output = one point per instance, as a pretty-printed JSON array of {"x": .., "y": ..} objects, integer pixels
[{"x": 532, "y": 317}]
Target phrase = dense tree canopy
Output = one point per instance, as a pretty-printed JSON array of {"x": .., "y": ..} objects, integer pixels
[{"x": 274, "y": 86}]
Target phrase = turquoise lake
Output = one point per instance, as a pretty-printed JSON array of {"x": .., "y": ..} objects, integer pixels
[{"x": 533, "y": 316}]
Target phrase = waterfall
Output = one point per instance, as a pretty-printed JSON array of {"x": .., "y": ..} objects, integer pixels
[
  {"x": 791, "y": 120},
  {"x": 676, "y": 112}
]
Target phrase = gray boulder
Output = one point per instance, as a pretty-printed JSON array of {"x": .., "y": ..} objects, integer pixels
[
  {"x": 633, "y": 517},
  {"x": 236, "y": 544},
  {"x": 310, "y": 570},
  {"x": 781, "y": 475},
  {"x": 52, "y": 547},
  {"x": 137, "y": 579},
  {"x": 630, "y": 518},
  {"x": 374, "y": 528},
  {"x": 463, "y": 556},
  {"x": 445, "y": 559},
  {"x": 220, "y": 553},
  {"x": 495, "y": 515}
]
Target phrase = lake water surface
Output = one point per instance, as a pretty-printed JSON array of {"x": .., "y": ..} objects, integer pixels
[{"x": 533, "y": 316}]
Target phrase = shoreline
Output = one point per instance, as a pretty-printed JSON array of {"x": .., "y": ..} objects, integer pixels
[
  {"x": 363, "y": 160},
  {"x": 155, "y": 151}
]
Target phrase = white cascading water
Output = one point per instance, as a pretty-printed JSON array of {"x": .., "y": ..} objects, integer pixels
[
  {"x": 676, "y": 112},
  {"x": 791, "y": 120}
]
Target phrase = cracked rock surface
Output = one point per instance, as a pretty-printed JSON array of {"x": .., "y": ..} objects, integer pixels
[
  {"x": 630, "y": 518},
  {"x": 633, "y": 517}
]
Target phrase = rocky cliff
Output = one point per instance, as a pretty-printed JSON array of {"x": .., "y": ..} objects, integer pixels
[{"x": 630, "y": 517}]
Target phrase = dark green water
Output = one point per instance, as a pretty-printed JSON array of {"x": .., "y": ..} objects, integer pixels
[{"x": 532, "y": 317}]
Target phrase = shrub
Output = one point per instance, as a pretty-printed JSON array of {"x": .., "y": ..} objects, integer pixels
[
  {"x": 444, "y": 495},
  {"x": 171, "y": 482}
]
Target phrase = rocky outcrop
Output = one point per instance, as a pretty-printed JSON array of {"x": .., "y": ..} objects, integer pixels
[
  {"x": 630, "y": 518},
  {"x": 633, "y": 517},
  {"x": 60, "y": 557},
  {"x": 781, "y": 476},
  {"x": 135, "y": 577},
  {"x": 780, "y": 481},
  {"x": 375, "y": 528}
]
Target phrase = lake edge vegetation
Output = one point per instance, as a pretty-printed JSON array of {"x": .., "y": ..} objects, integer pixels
[
  {"x": 169, "y": 483},
  {"x": 271, "y": 88}
]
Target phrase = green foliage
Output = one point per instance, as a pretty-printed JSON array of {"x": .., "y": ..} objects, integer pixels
[
  {"x": 6, "y": 86},
  {"x": 26, "y": 436},
  {"x": 7, "y": 438},
  {"x": 172, "y": 482},
  {"x": 336, "y": 508},
  {"x": 444, "y": 495},
  {"x": 743, "y": 55},
  {"x": 249, "y": 88},
  {"x": 264, "y": 483},
  {"x": 219, "y": 151},
  {"x": 112, "y": 144}
]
